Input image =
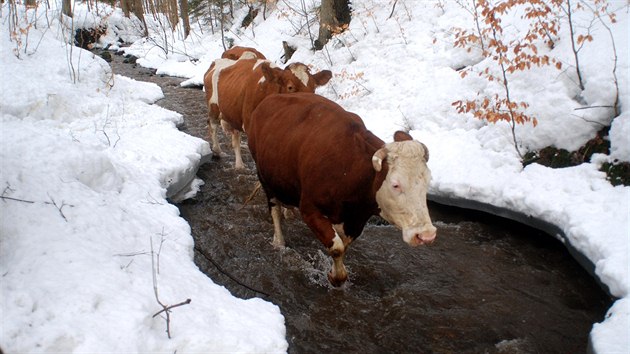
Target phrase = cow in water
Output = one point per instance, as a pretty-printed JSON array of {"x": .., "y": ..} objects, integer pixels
[
  {"x": 312, "y": 154},
  {"x": 235, "y": 88}
]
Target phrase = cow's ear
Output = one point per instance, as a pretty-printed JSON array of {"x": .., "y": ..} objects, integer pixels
[
  {"x": 426, "y": 152},
  {"x": 402, "y": 136},
  {"x": 322, "y": 77},
  {"x": 378, "y": 157},
  {"x": 269, "y": 73}
]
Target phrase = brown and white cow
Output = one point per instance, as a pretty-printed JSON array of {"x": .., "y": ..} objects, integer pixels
[
  {"x": 312, "y": 154},
  {"x": 237, "y": 52},
  {"x": 235, "y": 88}
]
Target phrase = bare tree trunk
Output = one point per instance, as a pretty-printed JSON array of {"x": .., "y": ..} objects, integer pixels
[
  {"x": 150, "y": 6},
  {"x": 66, "y": 7},
  {"x": 138, "y": 10},
  {"x": 183, "y": 4},
  {"x": 172, "y": 13},
  {"x": 210, "y": 12},
  {"x": 333, "y": 14},
  {"x": 126, "y": 7},
  {"x": 327, "y": 22},
  {"x": 221, "y": 19}
]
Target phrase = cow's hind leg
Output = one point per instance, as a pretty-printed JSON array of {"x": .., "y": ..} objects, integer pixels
[
  {"x": 213, "y": 127},
  {"x": 278, "y": 237},
  {"x": 236, "y": 145}
]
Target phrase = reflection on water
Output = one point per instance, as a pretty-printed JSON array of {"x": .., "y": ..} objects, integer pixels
[{"x": 485, "y": 286}]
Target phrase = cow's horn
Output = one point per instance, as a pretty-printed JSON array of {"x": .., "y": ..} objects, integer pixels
[{"x": 377, "y": 159}]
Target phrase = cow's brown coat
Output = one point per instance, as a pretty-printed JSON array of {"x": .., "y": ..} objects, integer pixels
[
  {"x": 312, "y": 154},
  {"x": 242, "y": 84}
]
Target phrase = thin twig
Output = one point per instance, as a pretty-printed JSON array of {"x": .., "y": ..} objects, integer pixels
[
  {"x": 393, "y": 7},
  {"x": 251, "y": 195},
  {"x": 132, "y": 254},
  {"x": 51, "y": 202},
  {"x": 165, "y": 308},
  {"x": 588, "y": 120},
  {"x": 589, "y": 107},
  {"x": 224, "y": 272},
  {"x": 59, "y": 207},
  {"x": 168, "y": 308},
  {"x": 16, "y": 199}
]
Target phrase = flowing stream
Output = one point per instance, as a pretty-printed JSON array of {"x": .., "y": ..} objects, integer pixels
[{"x": 487, "y": 285}]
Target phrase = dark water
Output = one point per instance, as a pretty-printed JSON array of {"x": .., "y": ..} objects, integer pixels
[{"x": 487, "y": 285}]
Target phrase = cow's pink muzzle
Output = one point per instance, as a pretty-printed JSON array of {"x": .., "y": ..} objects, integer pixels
[{"x": 417, "y": 238}]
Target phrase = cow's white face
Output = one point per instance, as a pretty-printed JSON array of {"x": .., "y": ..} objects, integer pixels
[{"x": 402, "y": 197}]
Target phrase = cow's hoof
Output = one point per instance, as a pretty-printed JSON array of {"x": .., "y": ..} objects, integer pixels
[
  {"x": 278, "y": 246},
  {"x": 337, "y": 282},
  {"x": 218, "y": 155}
]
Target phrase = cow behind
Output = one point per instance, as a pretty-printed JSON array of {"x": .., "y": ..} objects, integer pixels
[
  {"x": 238, "y": 52},
  {"x": 312, "y": 154},
  {"x": 235, "y": 88}
]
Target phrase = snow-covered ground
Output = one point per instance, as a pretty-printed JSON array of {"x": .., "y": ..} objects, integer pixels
[{"x": 87, "y": 164}]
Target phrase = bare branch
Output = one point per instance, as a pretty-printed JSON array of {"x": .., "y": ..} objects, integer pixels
[
  {"x": 59, "y": 207},
  {"x": 224, "y": 272},
  {"x": 168, "y": 308},
  {"x": 590, "y": 107},
  {"x": 393, "y": 8},
  {"x": 165, "y": 308},
  {"x": 16, "y": 199}
]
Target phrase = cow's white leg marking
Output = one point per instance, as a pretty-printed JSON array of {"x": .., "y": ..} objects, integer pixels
[
  {"x": 339, "y": 231},
  {"x": 236, "y": 145},
  {"x": 338, "y": 274},
  {"x": 276, "y": 213}
]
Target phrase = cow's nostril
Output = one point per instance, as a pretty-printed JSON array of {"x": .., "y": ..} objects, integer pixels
[{"x": 425, "y": 237}]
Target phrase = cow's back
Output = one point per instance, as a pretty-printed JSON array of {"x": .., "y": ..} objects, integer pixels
[
  {"x": 238, "y": 52},
  {"x": 305, "y": 142},
  {"x": 238, "y": 90}
]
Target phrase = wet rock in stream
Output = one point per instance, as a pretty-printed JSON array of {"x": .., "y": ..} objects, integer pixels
[{"x": 487, "y": 285}]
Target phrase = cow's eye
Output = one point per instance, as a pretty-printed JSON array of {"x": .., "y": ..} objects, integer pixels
[
  {"x": 291, "y": 88},
  {"x": 396, "y": 186}
]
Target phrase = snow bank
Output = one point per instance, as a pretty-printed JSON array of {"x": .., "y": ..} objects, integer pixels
[{"x": 86, "y": 166}]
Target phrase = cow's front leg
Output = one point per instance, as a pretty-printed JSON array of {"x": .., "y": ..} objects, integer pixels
[{"x": 331, "y": 239}]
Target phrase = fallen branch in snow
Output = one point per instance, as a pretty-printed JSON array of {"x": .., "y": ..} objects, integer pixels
[
  {"x": 9, "y": 189},
  {"x": 168, "y": 308},
  {"x": 51, "y": 202},
  {"x": 590, "y": 107},
  {"x": 16, "y": 199},
  {"x": 588, "y": 120},
  {"x": 393, "y": 8},
  {"x": 105, "y": 125},
  {"x": 227, "y": 274},
  {"x": 59, "y": 207},
  {"x": 165, "y": 308}
]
